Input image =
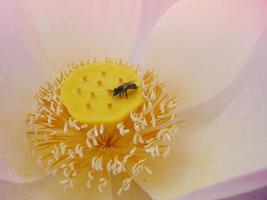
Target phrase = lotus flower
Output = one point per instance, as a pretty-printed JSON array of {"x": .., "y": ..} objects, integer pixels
[{"x": 212, "y": 55}]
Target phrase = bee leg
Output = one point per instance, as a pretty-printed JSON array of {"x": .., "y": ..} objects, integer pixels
[
  {"x": 126, "y": 94},
  {"x": 120, "y": 95}
]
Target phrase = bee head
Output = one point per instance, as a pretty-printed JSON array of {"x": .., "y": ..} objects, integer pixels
[
  {"x": 115, "y": 92},
  {"x": 135, "y": 86}
]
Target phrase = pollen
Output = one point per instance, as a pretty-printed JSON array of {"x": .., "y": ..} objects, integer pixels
[{"x": 79, "y": 127}]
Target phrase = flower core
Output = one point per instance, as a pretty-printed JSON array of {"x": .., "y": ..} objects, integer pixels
[
  {"x": 87, "y": 95},
  {"x": 80, "y": 127}
]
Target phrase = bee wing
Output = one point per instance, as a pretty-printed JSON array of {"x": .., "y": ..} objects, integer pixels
[{"x": 129, "y": 82}]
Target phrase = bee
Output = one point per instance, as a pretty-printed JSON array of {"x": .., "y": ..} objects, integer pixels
[{"x": 123, "y": 89}]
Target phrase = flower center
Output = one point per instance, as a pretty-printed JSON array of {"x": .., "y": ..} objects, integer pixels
[{"x": 103, "y": 119}]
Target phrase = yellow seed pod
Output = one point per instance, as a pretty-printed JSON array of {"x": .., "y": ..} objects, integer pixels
[{"x": 87, "y": 95}]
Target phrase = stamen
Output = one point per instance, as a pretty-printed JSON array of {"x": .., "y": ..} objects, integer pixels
[
  {"x": 166, "y": 152},
  {"x": 65, "y": 127},
  {"x": 125, "y": 185},
  {"x": 101, "y": 129},
  {"x": 84, "y": 126},
  {"x": 103, "y": 183},
  {"x": 121, "y": 128}
]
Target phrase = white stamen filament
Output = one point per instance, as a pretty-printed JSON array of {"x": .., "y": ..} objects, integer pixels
[
  {"x": 65, "y": 127},
  {"x": 121, "y": 128}
]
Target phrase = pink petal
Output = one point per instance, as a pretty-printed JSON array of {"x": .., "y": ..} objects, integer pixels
[
  {"x": 135, "y": 191},
  {"x": 247, "y": 183},
  {"x": 248, "y": 111},
  {"x": 61, "y": 32},
  {"x": 259, "y": 194},
  {"x": 49, "y": 188},
  {"x": 19, "y": 78},
  {"x": 199, "y": 47},
  {"x": 6, "y": 173},
  {"x": 225, "y": 138},
  {"x": 151, "y": 12}
]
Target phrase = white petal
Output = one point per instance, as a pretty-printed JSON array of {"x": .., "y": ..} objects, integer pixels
[
  {"x": 231, "y": 145},
  {"x": 241, "y": 188},
  {"x": 19, "y": 78},
  {"x": 224, "y": 138},
  {"x": 152, "y": 11},
  {"x": 199, "y": 47},
  {"x": 61, "y": 32},
  {"x": 7, "y": 173},
  {"x": 49, "y": 188},
  {"x": 135, "y": 191}
]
